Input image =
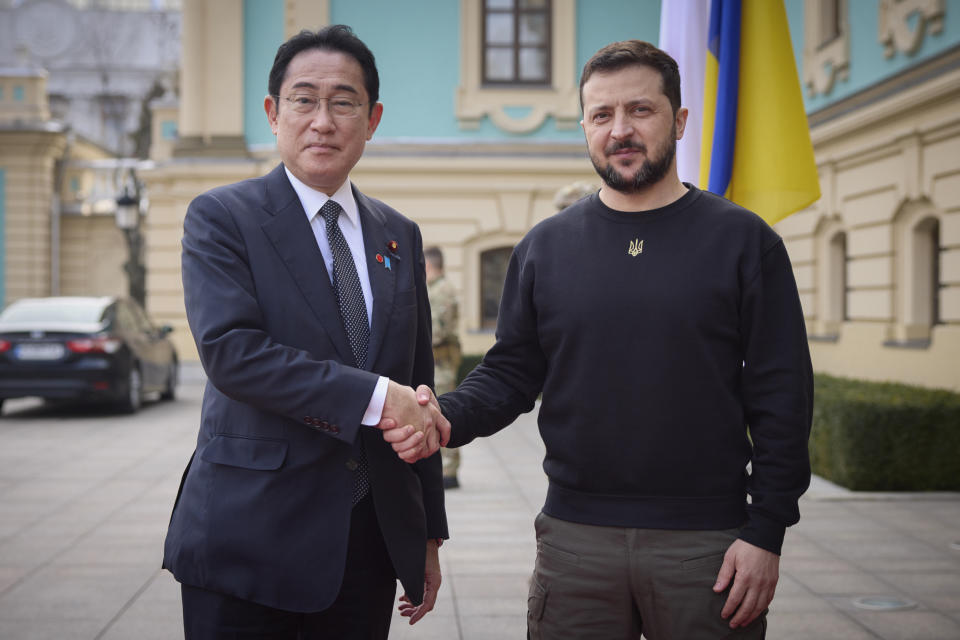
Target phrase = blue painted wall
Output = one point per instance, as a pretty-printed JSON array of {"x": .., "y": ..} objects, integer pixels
[
  {"x": 262, "y": 34},
  {"x": 417, "y": 46},
  {"x": 3, "y": 239},
  {"x": 600, "y": 22},
  {"x": 868, "y": 64}
]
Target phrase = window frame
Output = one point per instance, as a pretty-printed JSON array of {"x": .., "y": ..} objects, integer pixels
[
  {"x": 516, "y": 12},
  {"x": 475, "y": 102}
]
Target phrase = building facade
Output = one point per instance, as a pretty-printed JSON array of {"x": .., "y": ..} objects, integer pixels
[
  {"x": 877, "y": 258},
  {"x": 75, "y": 80},
  {"x": 481, "y": 131}
]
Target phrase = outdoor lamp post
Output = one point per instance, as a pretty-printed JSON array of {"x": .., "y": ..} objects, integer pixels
[{"x": 128, "y": 221}]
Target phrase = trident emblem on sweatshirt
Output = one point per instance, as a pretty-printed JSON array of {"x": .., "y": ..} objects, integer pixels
[{"x": 636, "y": 248}]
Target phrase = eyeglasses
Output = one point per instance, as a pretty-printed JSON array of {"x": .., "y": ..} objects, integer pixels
[{"x": 306, "y": 103}]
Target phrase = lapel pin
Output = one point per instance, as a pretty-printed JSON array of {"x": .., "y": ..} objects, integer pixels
[
  {"x": 384, "y": 261},
  {"x": 392, "y": 247}
]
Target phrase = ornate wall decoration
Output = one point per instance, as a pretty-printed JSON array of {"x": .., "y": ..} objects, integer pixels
[
  {"x": 895, "y": 16},
  {"x": 826, "y": 46}
]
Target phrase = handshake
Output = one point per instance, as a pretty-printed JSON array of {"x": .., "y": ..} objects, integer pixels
[{"x": 412, "y": 423}]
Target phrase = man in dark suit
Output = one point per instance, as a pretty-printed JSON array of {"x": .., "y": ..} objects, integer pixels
[{"x": 308, "y": 304}]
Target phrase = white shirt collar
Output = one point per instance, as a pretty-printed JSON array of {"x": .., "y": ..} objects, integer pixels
[{"x": 312, "y": 200}]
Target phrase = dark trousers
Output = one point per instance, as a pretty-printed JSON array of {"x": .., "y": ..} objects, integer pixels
[
  {"x": 362, "y": 610},
  {"x": 593, "y": 582}
]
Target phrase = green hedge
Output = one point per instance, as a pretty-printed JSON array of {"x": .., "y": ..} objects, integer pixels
[
  {"x": 870, "y": 436},
  {"x": 467, "y": 364}
]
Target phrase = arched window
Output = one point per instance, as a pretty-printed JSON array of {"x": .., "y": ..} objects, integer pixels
[
  {"x": 918, "y": 276},
  {"x": 832, "y": 281},
  {"x": 493, "y": 270},
  {"x": 836, "y": 311},
  {"x": 925, "y": 298}
]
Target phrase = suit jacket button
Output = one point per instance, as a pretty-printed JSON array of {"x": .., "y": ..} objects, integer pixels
[{"x": 351, "y": 464}]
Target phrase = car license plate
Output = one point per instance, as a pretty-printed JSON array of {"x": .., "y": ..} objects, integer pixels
[{"x": 47, "y": 351}]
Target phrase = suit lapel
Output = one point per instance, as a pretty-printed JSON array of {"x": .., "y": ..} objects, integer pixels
[
  {"x": 289, "y": 231},
  {"x": 382, "y": 280}
]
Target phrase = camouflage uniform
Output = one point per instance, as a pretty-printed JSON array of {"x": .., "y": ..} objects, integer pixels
[{"x": 446, "y": 351}]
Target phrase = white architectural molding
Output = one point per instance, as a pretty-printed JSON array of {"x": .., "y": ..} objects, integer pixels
[
  {"x": 824, "y": 62},
  {"x": 561, "y": 101},
  {"x": 894, "y": 24}
]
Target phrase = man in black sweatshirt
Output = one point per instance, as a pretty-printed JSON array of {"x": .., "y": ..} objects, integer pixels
[{"x": 663, "y": 327}]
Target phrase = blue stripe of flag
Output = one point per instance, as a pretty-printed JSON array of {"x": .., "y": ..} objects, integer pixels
[{"x": 724, "y": 44}]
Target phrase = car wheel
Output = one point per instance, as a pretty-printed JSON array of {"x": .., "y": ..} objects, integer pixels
[
  {"x": 170, "y": 391},
  {"x": 134, "y": 398}
]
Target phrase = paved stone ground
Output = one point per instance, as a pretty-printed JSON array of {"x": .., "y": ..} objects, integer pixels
[{"x": 85, "y": 496}]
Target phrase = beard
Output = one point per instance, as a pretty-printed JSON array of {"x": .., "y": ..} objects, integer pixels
[{"x": 653, "y": 169}]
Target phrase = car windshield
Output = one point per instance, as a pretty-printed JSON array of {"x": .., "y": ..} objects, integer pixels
[{"x": 76, "y": 310}]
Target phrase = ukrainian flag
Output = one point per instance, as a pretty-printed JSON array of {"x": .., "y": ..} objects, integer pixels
[{"x": 755, "y": 140}]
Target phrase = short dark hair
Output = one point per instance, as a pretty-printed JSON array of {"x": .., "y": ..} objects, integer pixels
[
  {"x": 335, "y": 37},
  {"x": 434, "y": 256},
  {"x": 627, "y": 53}
]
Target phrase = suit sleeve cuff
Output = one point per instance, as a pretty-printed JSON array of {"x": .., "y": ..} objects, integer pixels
[{"x": 374, "y": 412}]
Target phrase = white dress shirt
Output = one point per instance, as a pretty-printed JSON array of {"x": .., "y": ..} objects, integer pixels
[{"x": 312, "y": 201}]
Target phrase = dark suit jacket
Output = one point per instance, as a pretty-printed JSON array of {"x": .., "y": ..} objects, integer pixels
[{"x": 264, "y": 508}]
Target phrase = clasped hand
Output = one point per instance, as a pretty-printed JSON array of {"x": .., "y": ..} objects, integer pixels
[{"x": 412, "y": 422}]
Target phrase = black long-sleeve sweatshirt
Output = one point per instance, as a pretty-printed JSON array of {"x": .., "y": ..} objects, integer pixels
[{"x": 670, "y": 349}]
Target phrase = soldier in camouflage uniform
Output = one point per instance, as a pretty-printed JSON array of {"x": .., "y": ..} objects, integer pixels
[{"x": 446, "y": 345}]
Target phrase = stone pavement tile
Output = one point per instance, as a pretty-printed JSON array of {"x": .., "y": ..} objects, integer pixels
[
  {"x": 792, "y": 596},
  {"x": 797, "y": 546},
  {"x": 73, "y": 592},
  {"x": 815, "y": 564},
  {"x": 488, "y": 627},
  {"x": 492, "y": 606},
  {"x": 799, "y": 603},
  {"x": 806, "y": 626},
  {"x": 940, "y": 538},
  {"x": 108, "y": 550},
  {"x": 86, "y": 512},
  {"x": 32, "y": 549},
  {"x": 909, "y": 625},
  {"x": 155, "y": 614},
  {"x": 45, "y": 490},
  {"x": 947, "y": 604},
  {"x": 889, "y": 546},
  {"x": 10, "y": 575},
  {"x": 16, "y": 516},
  {"x": 52, "y": 628},
  {"x": 148, "y": 520},
  {"x": 883, "y": 565},
  {"x": 830, "y": 583},
  {"x": 521, "y": 553},
  {"x": 509, "y": 585},
  {"x": 434, "y": 626},
  {"x": 926, "y": 582},
  {"x": 482, "y": 567}
]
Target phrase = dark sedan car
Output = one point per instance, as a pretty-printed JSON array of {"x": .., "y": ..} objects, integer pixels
[{"x": 73, "y": 348}]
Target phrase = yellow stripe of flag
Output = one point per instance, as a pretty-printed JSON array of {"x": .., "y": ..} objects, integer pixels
[{"x": 774, "y": 172}]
